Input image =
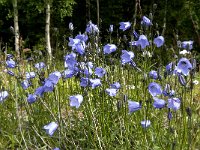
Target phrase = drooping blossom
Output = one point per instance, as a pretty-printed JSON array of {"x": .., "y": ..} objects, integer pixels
[
  {"x": 115, "y": 85},
  {"x": 109, "y": 48},
  {"x": 70, "y": 61},
  {"x": 142, "y": 41},
  {"x": 51, "y": 128},
  {"x": 111, "y": 28},
  {"x": 184, "y": 66},
  {"x": 111, "y": 92},
  {"x": 158, "y": 103},
  {"x": 30, "y": 75},
  {"x": 100, "y": 72},
  {"x": 153, "y": 74},
  {"x": 159, "y": 41},
  {"x": 181, "y": 79},
  {"x": 31, "y": 98},
  {"x": 154, "y": 89},
  {"x": 146, "y": 21},
  {"x": 76, "y": 100},
  {"x": 3, "y": 95},
  {"x": 133, "y": 106},
  {"x": 25, "y": 84},
  {"x": 126, "y": 56},
  {"x": 124, "y": 25},
  {"x": 94, "y": 83},
  {"x": 10, "y": 63},
  {"x": 40, "y": 65},
  {"x": 187, "y": 45},
  {"x": 84, "y": 82},
  {"x": 82, "y": 37},
  {"x": 174, "y": 103},
  {"x": 92, "y": 28}
]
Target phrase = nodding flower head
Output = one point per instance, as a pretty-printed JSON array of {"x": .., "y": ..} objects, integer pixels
[
  {"x": 92, "y": 28},
  {"x": 126, "y": 56},
  {"x": 10, "y": 63},
  {"x": 124, "y": 25},
  {"x": 133, "y": 106},
  {"x": 174, "y": 103},
  {"x": 154, "y": 89},
  {"x": 184, "y": 66},
  {"x": 187, "y": 45},
  {"x": 109, "y": 48},
  {"x": 40, "y": 65},
  {"x": 76, "y": 100},
  {"x": 3, "y": 95},
  {"x": 146, "y": 21},
  {"x": 158, "y": 103},
  {"x": 159, "y": 41},
  {"x": 51, "y": 128}
]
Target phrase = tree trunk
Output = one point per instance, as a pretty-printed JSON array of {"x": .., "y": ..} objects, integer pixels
[
  {"x": 16, "y": 27},
  {"x": 47, "y": 31},
  {"x": 98, "y": 13}
]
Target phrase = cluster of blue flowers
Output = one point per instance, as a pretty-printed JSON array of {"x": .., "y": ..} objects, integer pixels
[{"x": 91, "y": 75}]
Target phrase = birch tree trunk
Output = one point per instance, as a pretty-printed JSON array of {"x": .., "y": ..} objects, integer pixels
[
  {"x": 47, "y": 31},
  {"x": 16, "y": 27},
  {"x": 98, "y": 13}
]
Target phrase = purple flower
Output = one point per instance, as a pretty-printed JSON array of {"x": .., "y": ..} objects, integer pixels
[
  {"x": 124, "y": 25},
  {"x": 142, "y": 41},
  {"x": 92, "y": 28},
  {"x": 10, "y": 73},
  {"x": 159, "y": 41},
  {"x": 80, "y": 48},
  {"x": 3, "y": 95},
  {"x": 158, "y": 103},
  {"x": 10, "y": 63},
  {"x": 54, "y": 77},
  {"x": 82, "y": 37},
  {"x": 48, "y": 86},
  {"x": 31, "y": 98},
  {"x": 145, "y": 123},
  {"x": 154, "y": 89},
  {"x": 95, "y": 83},
  {"x": 187, "y": 45},
  {"x": 68, "y": 73},
  {"x": 181, "y": 80},
  {"x": 126, "y": 56},
  {"x": 115, "y": 85},
  {"x": 25, "y": 84},
  {"x": 84, "y": 82},
  {"x": 39, "y": 91},
  {"x": 70, "y": 61},
  {"x": 111, "y": 29},
  {"x": 184, "y": 66},
  {"x": 133, "y": 106},
  {"x": 76, "y": 100},
  {"x": 30, "y": 75},
  {"x": 153, "y": 74},
  {"x": 111, "y": 92},
  {"x": 51, "y": 128},
  {"x": 174, "y": 103},
  {"x": 73, "y": 42},
  {"x": 100, "y": 72},
  {"x": 40, "y": 65},
  {"x": 168, "y": 92},
  {"x": 169, "y": 68},
  {"x": 109, "y": 48},
  {"x": 146, "y": 21}
]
